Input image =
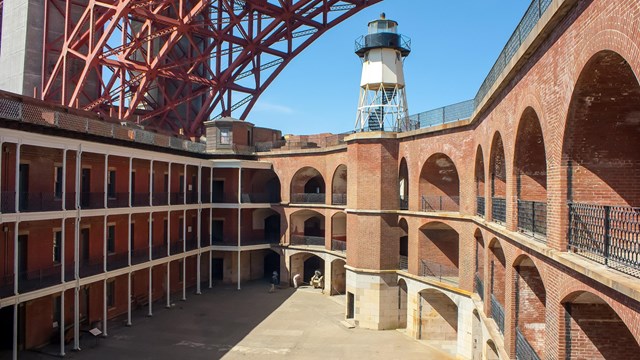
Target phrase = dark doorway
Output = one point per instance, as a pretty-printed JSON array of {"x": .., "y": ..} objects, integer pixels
[
  {"x": 272, "y": 228},
  {"x": 217, "y": 269},
  {"x": 22, "y": 256},
  {"x": 350, "y": 305},
  {"x": 312, "y": 227},
  {"x": 315, "y": 185},
  {"x": 404, "y": 246},
  {"x": 165, "y": 184},
  {"x": 218, "y": 191},
  {"x": 24, "y": 186},
  {"x": 217, "y": 231},
  {"x": 271, "y": 264},
  {"x": 84, "y": 234},
  {"x": 311, "y": 265},
  {"x": 85, "y": 187},
  {"x": 6, "y": 328}
]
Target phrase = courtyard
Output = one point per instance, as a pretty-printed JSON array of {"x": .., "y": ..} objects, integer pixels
[{"x": 249, "y": 324}]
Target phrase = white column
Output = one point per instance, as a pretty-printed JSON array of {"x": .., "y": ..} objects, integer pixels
[
  {"x": 15, "y": 332},
  {"x": 16, "y": 256},
  {"x": 150, "y": 235},
  {"x": 184, "y": 185},
  {"x": 62, "y": 255},
  {"x": 78, "y": 177},
  {"x": 199, "y": 184},
  {"x": 76, "y": 318},
  {"x": 61, "y": 324},
  {"x": 211, "y": 185},
  {"x": 106, "y": 176},
  {"x": 210, "y": 270},
  {"x": 130, "y": 187},
  {"x": 17, "y": 178},
  {"x": 184, "y": 279},
  {"x": 184, "y": 249},
  {"x": 169, "y": 186},
  {"x": 104, "y": 308},
  {"x": 151, "y": 183},
  {"x": 168, "y": 233},
  {"x": 150, "y": 313},
  {"x": 129, "y": 241},
  {"x": 184, "y": 231},
  {"x": 104, "y": 244},
  {"x": 64, "y": 180},
  {"x": 168, "y": 285},
  {"x": 129, "y": 298},
  {"x": 239, "y": 220},
  {"x": 199, "y": 232}
]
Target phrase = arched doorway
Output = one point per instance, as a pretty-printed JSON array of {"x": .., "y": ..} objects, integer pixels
[
  {"x": 404, "y": 245},
  {"x": 338, "y": 277},
  {"x": 271, "y": 264},
  {"x": 312, "y": 264},
  {"x": 439, "y": 251},
  {"x": 402, "y": 304},
  {"x": 438, "y": 320},
  {"x": 308, "y": 186},
  {"x": 403, "y": 185},
  {"x": 439, "y": 184},
  {"x": 307, "y": 228},
  {"x": 479, "y": 179},
  {"x": 498, "y": 173},
  {"x": 497, "y": 268},
  {"x": 339, "y": 186},
  {"x": 530, "y": 312}
]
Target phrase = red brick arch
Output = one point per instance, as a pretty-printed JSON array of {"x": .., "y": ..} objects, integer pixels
[{"x": 440, "y": 184}]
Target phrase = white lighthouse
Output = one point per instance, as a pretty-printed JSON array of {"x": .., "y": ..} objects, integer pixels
[{"x": 383, "y": 101}]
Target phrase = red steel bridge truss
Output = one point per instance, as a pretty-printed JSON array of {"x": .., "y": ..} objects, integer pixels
[{"x": 173, "y": 64}]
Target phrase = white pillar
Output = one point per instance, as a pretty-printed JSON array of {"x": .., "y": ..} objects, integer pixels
[
  {"x": 184, "y": 279},
  {"x": 106, "y": 176},
  {"x": 104, "y": 308},
  {"x": 150, "y": 313},
  {"x": 239, "y": 220},
  {"x": 198, "y": 290},
  {"x": 184, "y": 185},
  {"x": 130, "y": 187},
  {"x": 199, "y": 184},
  {"x": 210, "y": 270},
  {"x": 151, "y": 183},
  {"x": 198, "y": 239},
  {"x": 64, "y": 180},
  {"x": 169, "y": 186},
  {"x": 104, "y": 244},
  {"x": 78, "y": 177},
  {"x": 16, "y": 256},
  {"x": 129, "y": 298},
  {"x": 129, "y": 240},
  {"x": 17, "y": 178},
  {"x": 168, "y": 233},
  {"x": 168, "y": 285},
  {"x": 61, "y": 324},
  {"x": 62, "y": 255},
  {"x": 76, "y": 318}
]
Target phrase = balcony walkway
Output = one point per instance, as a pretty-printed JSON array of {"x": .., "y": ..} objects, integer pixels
[{"x": 226, "y": 323}]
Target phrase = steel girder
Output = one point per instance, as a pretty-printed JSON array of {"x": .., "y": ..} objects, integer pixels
[{"x": 173, "y": 64}]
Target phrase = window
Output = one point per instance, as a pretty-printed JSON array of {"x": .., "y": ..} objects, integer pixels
[
  {"x": 57, "y": 183},
  {"x": 57, "y": 243},
  {"x": 111, "y": 293},
  {"x": 225, "y": 136},
  {"x": 111, "y": 239},
  {"x": 180, "y": 271},
  {"x": 111, "y": 184},
  {"x": 131, "y": 245}
]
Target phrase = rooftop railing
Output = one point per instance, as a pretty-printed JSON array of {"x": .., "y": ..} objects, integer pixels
[
  {"x": 497, "y": 313},
  {"x": 524, "y": 350},
  {"x": 532, "y": 219},
  {"x": 439, "y": 272},
  {"x": 440, "y": 203},
  {"x": 308, "y": 198},
  {"x": 307, "y": 240}
]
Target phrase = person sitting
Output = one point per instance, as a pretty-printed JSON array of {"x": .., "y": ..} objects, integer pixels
[{"x": 317, "y": 281}]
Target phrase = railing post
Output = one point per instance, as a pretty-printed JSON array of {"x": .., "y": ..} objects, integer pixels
[
  {"x": 533, "y": 217},
  {"x": 607, "y": 235}
]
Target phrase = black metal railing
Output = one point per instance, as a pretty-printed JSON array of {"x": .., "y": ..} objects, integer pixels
[
  {"x": 160, "y": 198},
  {"x": 498, "y": 210},
  {"x": 38, "y": 279},
  {"x": 192, "y": 243},
  {"x": 92, "y": 200},
  {"x": 480, "y": 206},
  {"x": 90, "y": 267},
  {"x": 117, "y": 200},
  {"x": 439, "y": 272},
  {"x": 524, "y": 350},
  {"x": 32, "y": 202},
  {"x": 6, "y": 285},
  {"x": 479, "y": 286},
  {"x": 177, "y": 198},
  {"x": 192, "y": 197},
  {"x": 440, "y": 203},
  {"x": 260, "y": 198},
  {"x": 140, "y": 199},
  {"x": 403, "y": 262},
  {"x": 497, "y": 313},
  {"x": 307, "y": 240},
  {"x": 205, "y": 197},
  {"x": 140, "y": 255},
  {"x": 443, "y": 115},
  {"x": 339, "y": 199},
  {"x": 338, "y": 245},
  {"x": 8, "y": 202},
  {"x": 532, "y": 218},
  {"x": 225, "y": 198},
  {"x": 404, "y": 204},
  {"x": 308, "y": 198},
  {"x": 159, "y": 251},
  {"x": 609, "y": 235},
  {"x": 176, "y": 247},
  {"x": 117, "y": 261}
]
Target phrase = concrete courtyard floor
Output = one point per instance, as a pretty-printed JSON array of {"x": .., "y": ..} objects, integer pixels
[{"x": 248, "y": 324}]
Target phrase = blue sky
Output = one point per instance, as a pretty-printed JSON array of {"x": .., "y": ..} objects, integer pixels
[{"x": 454, "y": 45}]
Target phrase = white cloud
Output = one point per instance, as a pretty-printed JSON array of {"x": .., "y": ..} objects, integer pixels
[{"x": 265, "y": 106}]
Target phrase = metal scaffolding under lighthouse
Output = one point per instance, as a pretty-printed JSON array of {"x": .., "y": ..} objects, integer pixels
[{"x": 383, "y": 101}]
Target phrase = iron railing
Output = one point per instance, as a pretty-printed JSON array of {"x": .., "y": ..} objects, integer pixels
[
  {"x": 117, "y": 261},
  {"x": 205, "y": 197},
  {"x": 176, "y": 247},
  {"x": 404, "y": 204},
  {"x": 440, "y": 272},
  {"x": 8, "y": 202},
  {"x": 160, "y": 198},
  {"x": 31, "y": 202},
  {"x": 307, "y": 240},
  {"x": 498, "y": 210},
  {"x": 606, "y": 234},
  {"x": 403, "y": 262},
  {"x": 192, "y": 243},
  {"x": 118, "y": 200},
  {"x": 308, "y": 198},
  {"x": 532, "y": 218},
  {"x": 6, "y": 285},
  {"x": 339, "y": 199},
  {"x": 92, "y": 200},
  {"x": 91, "y": 267},
  {"x": 38, "y": 279},
  {"x": 224, "y": 198},
  {"x": 140, "y": 199},
  {"x": 192, "y": 197},
  {"x": 479, "y": 286},
  {"x": 140, "y": 255},
  {"x": 338, "y": 245},
  {"x": 440, "y": 203},
  {"x": 260, "y": 198},
  {"x": 497, "y": 313},
  {"x": 480, "y": 206},
  {"x": 524, "y": 350},
  {"x": 159, "y": 251},
  {"x": 443, "y": 115},
  {"x": 176, "y": 198}
]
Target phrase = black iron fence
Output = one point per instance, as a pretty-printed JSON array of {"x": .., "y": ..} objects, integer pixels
[
  {"x": 7, "y": 202},
  {"x": 139, "y": 255},
  {"x": 338, "y": 245},
  {"x": 440, "y": 203},
  {"x": 177, "y": 247},
  {"x": 308, "y": 198},
  {"x": 339, "y": 199},
  {"x": 159, "y": 251},
  {"x": 497, "y": 313},
  {"x": 205, "y": 197},
  {"x": 38, "y": 279},
  {"x": 6, "y": 285},
  {"x": 260, "y": 198},
  {"x": 160, "y": 198},
  {"x": 440, "y": 272},
  {"x": 117, "y": 200},
  {"x": 532, "y": 218},
  {"x": 524, "y": 350},
  {"x": 479, "y": 286},
  {"x": 92, "y": 200},
  {"x": 117, "y": 261},
  {"x": 480, "y": 204},
  {"x": 307, "y": 240},
  {"x": 30, "y": 202},
  {"x": 606, "y": 234},
  {"x": 140, "y": 199},
  {"x": 499, "y": 210},
  {"x": 192, "y": 243},
  {"x": 404, "y": 204},
  {"x": 403, "y": 262},
  {"x": 91, "y": 267},
  {"x": 176, "y": 198}
]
